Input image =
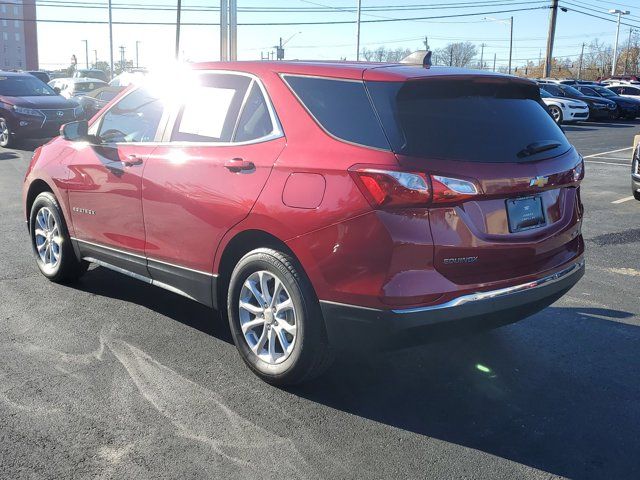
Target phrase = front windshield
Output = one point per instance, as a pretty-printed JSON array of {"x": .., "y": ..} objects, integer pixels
[
  {"x": 605, "y": 92},
  {"x": 572, "y": 91},
  {"x": 27, "y": 86}
]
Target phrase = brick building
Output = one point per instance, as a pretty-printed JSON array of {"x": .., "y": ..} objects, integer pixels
[{"x": 18, "y": 35}]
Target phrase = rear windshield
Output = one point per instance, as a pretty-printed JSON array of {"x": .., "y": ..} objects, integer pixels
[
  {"x": 87, "y": 86},
  {"x": 467, "y": 120}
]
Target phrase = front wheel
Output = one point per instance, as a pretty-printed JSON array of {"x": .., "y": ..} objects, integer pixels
[
  {"x": 636, "y": 195},
  {"x": 5, "y": 134},
  {"x": 275, "y": 318},
  {"x": 556, "y": 114},
  {"x": 51, "y": 242}
]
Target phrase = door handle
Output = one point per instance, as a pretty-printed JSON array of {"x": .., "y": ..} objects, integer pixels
[
  {"x": 239, "y": 165},
  {"x": 132, "y": 160}
]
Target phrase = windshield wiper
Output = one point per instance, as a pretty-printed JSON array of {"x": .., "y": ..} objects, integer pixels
[{"x": 538, "y": 147}]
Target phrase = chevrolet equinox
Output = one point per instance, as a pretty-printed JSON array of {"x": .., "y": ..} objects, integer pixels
[{"x": 319, "y": 206}]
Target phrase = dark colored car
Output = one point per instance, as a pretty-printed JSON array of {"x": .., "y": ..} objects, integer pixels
[
  {"x": 94, "y": 101},
  {"x": 322, "y": 206},
  {"x": 599, "y": 107},
  {"x": 627, "y": 107},
  {"x": 43, "y": 76},
  {"x": 635, "y": 168},
  {"x": 30, "y": 108}
]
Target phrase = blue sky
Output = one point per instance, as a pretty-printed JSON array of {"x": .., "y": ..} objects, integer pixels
[{"x": 58, "y": 41}]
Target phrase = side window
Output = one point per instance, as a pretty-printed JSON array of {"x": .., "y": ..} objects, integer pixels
[
  {"x": 135, "y": 118},
  {"x": 632, "y": 91},
  {"x": 210, "y": 112},
  {"x": 617, "y": 90},
  {"x": 341, "y": 107},
  {"x": 588, "y": 91},
  {"x": 255, "y": 121}
]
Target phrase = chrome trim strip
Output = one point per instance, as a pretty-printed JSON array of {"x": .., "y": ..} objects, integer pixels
[
  {"x": 214, "y": 275},
  {"x": 137, "y": 276},
  {"x": 491, "y": 294}
]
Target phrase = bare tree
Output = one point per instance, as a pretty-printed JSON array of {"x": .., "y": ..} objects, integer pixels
[
  {"x": 382, "y": 54},
  {"x": 459, "y": 54}
]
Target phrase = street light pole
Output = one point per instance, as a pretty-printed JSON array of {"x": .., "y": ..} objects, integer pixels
[
  {"x": 86, "y": 52},
  {"x": 233, "y": 30},
  {"x": 626, "y": 57},
  {"x": 110, "y": 43},
  {"x": 510, "y": 45},
  {"x": 615, "y": 48},
  {"x": 179, "y": 10},
  {"x": 138, "y": 42},
  {"x": 224, "y": 30},
  {"x": 95, "y": 54},
  {"x": 580, "y": 64},
  {"x": 548, "y": 59},
  {"x": 358, "y": 32}
]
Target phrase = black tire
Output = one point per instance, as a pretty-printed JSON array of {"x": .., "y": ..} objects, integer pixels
[
  {"x": 6, "y": 139},
  {"x": 67, "y": 268},
  {"x": 636, "y": 195},
  {"x": 556, "y": 114},
  {"x": 311, "y": 353}
]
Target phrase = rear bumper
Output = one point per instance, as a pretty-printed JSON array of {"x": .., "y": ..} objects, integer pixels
[{"x": 349, "y": 325}]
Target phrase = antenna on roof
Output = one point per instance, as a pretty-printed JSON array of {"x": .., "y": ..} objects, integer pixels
[
  {"x": 426, "y": 61},
  {"x": 420, "y": 57}
]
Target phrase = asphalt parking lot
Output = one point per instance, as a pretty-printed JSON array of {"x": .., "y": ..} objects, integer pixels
[{"x": 111, "y": 378}]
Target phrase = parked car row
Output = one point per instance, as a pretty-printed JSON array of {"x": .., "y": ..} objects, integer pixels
[{"x": 604, "y": 102}]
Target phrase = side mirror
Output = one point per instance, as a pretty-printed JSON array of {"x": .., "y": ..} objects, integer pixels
[
  {"x": 75, "y": 131},
  {"x": 57, "y": 90}
]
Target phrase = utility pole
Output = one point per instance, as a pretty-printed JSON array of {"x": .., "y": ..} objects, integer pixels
[
  {"x": 138, "y": 42},
  {"x": 615, "y": 48},
  {"x": 511, "y": 45},
  {"x": 626, "y": 57},
  {"x": 95, "y": 54},
  {"x": 233, "y": 30},
  {"x": 110, "y": 43},
  {"x": 358, "y": 32},
  {"x": 482, "y": 56},
  {"x": 550, "y": 38},
  {"x": 86, "y": 51},
  {"x": 122, "y": 61},
  {"x": 580, "y": 64},
  {"x": 494, "y": 62},
  {"x": 178, "y": 12},
  {"x": 224, "y": 31}
]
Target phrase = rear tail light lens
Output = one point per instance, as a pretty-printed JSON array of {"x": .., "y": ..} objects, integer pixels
[
  {"x": 578, "y": 172},
  {"x": 390, "y": 188},
  {"x": 447, "y": 190}
]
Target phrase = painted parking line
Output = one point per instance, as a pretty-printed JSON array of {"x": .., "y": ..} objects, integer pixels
[
  {"x": 612, "y": 158},
  {"x": 609, "y": 163},
  {"x": 625, "y": 199},
  {"x": 605, "y": 153}
]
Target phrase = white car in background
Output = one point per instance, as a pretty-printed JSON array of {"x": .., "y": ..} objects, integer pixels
[
  {"x": 565, "y": 110},
  {"x": 627, "y": 89},
  {"x": 74, "y": 87}
]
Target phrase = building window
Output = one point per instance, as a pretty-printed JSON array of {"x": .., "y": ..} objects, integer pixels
[
  {"x": 16, "y": 11},
  {"x": 17, "y": 37},
  {"x": 4, "y": 9},
  {"x": 4, "y": 23},
  {"x": 20, "y": 63},
  {"x": 16, "y": 23},
  {"x": 5, "y": 35}
]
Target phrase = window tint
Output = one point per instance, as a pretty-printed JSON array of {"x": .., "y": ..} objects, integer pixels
[
  {"x": 554, "y": 90},
  {"x": 616, "y": 89},
  {"x": 135, "y": 118},
  {"x": 255, "y": 121},
  {"x": 24, "y": 86},
  {"x": 589, "y": 91},
  {"x": 210, "y": 112},
  {"x": 466, "y": 120},
  {"x": 342, "y": 108}
]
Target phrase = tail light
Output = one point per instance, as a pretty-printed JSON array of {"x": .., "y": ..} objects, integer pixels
[
  {"x": 385, "y": 188},
  {"x": 578, "y": 171}
]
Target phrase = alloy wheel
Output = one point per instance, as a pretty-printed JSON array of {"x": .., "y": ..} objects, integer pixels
[
  {"x": 47, "y": 238},
  {"x": 267, "y": 317},
  {"x": 4, "y": 133},
  {"x": 555, "y": 113}
]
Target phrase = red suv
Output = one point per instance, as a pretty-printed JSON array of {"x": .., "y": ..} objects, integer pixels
[{"x": 320, "y": 205}]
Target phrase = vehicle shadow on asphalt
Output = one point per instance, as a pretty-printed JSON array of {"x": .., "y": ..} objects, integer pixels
[
  {"x": 557, "y": 392},
  {"x": 106, "y": 283},
  {"x": 7, "y": 155}
]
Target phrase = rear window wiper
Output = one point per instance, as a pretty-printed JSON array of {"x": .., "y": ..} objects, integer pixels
[{"x": 537, "y": 147}]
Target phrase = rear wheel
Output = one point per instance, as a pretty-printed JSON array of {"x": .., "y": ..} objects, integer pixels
[
  {"x": 556, "y": 113},
  {"x": 636, "y": 195},
  {"x": 5, "y": 134},
  {"x": 275, "y": 319},
  {"x": 51, "y": 242}
]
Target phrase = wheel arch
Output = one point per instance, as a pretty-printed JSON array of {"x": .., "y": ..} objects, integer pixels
[
  {"x": 37, "y": 187},
  {"x": 239, "y": 245}
]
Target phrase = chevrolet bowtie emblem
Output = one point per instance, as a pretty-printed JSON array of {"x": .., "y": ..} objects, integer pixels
[{"x": 538, "y": 181}]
